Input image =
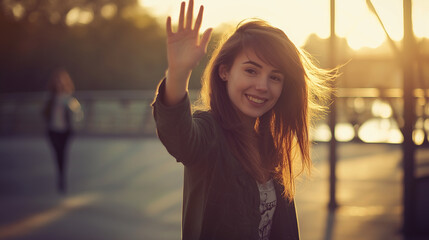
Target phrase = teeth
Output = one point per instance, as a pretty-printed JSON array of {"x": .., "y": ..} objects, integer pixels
[{"x": 256, "y": 100}]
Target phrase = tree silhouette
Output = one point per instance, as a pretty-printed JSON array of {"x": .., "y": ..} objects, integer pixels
[{"x": 105, "y": 44}]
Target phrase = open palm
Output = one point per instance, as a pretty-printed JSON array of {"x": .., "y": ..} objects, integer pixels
[{"x": 184, "y": 47}]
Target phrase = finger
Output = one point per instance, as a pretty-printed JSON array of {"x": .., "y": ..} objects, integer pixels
[
  {"x": 182, "y": 16},
  {"x": 168, "y": 27},
  {"x": 190, "y": 14},
  {"x": 205, "y": 39},
  {"x": 199, "y": 19}
]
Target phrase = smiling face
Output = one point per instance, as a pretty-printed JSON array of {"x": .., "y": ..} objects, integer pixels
[{"x": 252, "y": 85}]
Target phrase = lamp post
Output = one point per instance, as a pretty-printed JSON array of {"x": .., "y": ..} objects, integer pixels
[
  {"x": 408, "y": 146},
  {"x": 332, "y": 116}
]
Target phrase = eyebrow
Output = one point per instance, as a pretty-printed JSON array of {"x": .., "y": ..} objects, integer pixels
[
  {"x": 253, "y": 63},
  {"x": 260, "y": 66}
]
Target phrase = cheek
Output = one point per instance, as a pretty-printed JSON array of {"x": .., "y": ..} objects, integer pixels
[
  {"x": 236, "y": 85},
  {"x": 277, "y": 91},
  {"x": 231, "y": 90}
]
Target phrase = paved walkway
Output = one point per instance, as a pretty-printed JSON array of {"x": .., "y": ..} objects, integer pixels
[{"x": 130, "y": 188}]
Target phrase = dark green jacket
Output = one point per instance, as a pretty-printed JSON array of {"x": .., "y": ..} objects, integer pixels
[{"x": 220, "y": 199}]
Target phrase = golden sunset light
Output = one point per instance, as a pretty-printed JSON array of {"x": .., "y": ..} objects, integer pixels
[
  {"x": 138, "y": 119},
  {"x": 299, "y": 19}
]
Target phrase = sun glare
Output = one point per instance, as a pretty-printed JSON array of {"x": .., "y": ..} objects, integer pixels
[
  {"x": 299, "y": 19},
  {"x": 421, "y": 18},
  {"x": 361, "y": 28}
]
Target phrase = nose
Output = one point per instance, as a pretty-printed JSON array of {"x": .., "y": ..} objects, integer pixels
[{"x": 262, "y": 84}]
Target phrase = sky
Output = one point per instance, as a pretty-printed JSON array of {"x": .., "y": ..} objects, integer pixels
[{"x": 299, "y": 18}]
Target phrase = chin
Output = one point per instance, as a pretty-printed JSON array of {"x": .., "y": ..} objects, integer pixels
[{"x": 253, "y": 114}]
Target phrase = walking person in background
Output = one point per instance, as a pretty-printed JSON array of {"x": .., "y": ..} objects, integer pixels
[
  {"x": 60, "y": 111},
  {"x": 244, "y": 147}
]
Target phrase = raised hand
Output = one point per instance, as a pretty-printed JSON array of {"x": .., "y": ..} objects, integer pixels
[
  {"x": 184, "y": 47},
  {"x": 184, "y": 50}
]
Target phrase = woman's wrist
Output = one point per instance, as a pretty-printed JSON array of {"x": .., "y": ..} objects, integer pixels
[
  {"x": 176, "y": 86},
  {"x": 178, "y": 72}
]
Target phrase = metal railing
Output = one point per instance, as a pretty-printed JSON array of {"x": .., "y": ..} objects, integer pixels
[
  {"x": 128, "y": 113},
  {"x": 106, "y": 113}
]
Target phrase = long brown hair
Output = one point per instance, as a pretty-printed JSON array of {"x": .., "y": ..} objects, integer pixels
[
  {"x": 281, "y": 135},
  {"x": 61, "y": 82}
]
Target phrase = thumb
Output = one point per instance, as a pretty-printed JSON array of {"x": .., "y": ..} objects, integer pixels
[{"x": 205, "y": 39}]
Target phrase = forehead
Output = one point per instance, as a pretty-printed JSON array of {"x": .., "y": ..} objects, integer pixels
[{"x": 248, "y": 55}]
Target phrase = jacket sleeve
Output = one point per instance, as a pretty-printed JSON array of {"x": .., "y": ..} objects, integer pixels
[{"x": 188, "y": 137}]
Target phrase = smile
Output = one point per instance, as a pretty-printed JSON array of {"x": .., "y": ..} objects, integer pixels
[{"x": 255, "y": 99}]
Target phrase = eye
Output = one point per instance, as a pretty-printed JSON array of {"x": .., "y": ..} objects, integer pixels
[
  {"x": 277, "y": 78},
  {"x": 250, "y": 71}
]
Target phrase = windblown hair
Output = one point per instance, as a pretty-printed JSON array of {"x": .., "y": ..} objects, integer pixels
[{"x": 281, "y": 135}]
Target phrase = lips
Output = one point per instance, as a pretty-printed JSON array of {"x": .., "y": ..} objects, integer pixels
[{"x": 255, "y": 99}]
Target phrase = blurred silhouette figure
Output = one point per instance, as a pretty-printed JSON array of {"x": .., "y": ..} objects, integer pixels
[{"x": 60, "y": 110}]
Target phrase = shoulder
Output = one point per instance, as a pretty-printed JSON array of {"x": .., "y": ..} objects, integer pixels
[
  {"x": 206, "y": 115},
  {"x": 208, "y": 126},
  {"x": 207, "y": 118}
]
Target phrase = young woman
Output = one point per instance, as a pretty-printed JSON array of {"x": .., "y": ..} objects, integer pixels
[
  {"x": 240, "y": 151},
  {"x": 60, "y": 110}
]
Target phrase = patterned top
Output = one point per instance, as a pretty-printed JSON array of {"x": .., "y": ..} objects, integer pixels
[{"x": 267, "y": 207}]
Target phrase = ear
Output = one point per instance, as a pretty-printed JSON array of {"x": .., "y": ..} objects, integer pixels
[{"x": 223, "y": 72}]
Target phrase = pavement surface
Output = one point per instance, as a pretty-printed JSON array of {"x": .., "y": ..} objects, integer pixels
[{"x": 131, "y": 188}]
